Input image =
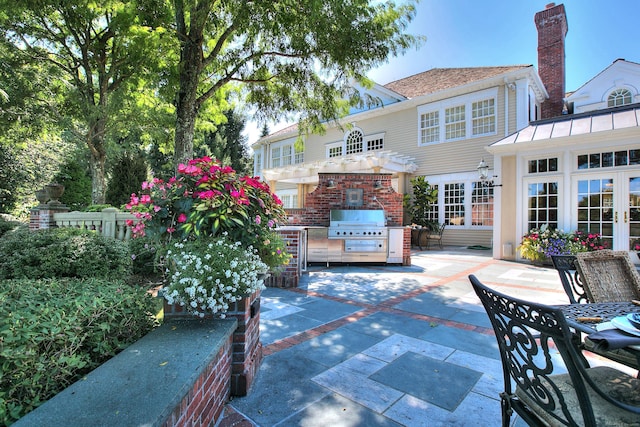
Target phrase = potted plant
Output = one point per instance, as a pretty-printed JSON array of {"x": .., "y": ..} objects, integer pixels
[
  {"x": 538, "y": 245},
  {"x": 204, "y": 208}
]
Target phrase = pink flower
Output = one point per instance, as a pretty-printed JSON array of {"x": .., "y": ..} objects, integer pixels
[
  {"x": 258, "y": 219},
  {"x": 157, "y": 208},
  {"x": 145, "y": 199},
  {"x": 182, "y": 218}
]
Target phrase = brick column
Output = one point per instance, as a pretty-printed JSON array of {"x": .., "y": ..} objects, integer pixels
[{"x": 246, "y": 347}]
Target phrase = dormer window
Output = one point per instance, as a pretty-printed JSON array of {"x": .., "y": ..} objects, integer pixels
[{"x": 619, "y": 97}]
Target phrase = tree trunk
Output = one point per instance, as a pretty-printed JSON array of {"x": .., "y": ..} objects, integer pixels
[
  {"x": 187, "y": 106},
  {"x": 97, "y": 161}
]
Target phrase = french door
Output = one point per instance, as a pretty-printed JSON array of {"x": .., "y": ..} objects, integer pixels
[{"x": 609, "y": 204}]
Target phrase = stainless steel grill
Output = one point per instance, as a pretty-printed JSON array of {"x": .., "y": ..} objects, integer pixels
[
  {"x": 364, "y": 234},
  {"x": 357, "y": 225}
]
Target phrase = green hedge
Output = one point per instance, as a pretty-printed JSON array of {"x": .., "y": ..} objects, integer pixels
[
  {"x": 53, "y": 331},
  {"x": 62, "y": 252}
]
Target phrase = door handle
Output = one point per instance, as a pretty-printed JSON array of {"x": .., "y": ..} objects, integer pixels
[
  {"x": 625, "y": 217},
  {"x": 615, "y": 216}
]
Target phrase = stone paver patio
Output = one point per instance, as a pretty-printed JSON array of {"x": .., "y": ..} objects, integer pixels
[{"x": 386, "y": 345}]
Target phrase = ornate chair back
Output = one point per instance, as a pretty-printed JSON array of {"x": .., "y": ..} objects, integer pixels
[
  {"x": 608, "y": 276},
  {"x": 570, "y": 278},
  {"x": 529, "y": 337}
]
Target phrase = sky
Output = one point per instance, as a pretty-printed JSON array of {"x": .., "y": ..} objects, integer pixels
[{"x": 475, "y": 33}]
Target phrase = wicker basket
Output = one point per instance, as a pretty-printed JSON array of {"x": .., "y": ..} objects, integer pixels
[{"x": 608, "y": 276}]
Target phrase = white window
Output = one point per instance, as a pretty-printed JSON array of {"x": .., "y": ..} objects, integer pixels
[
  {"x": 275, "y": 157},
  {"x": 455, "y": 124},
  {"x": 542, "y": 204},
  {"x": 463, "y": 201},
  {"x": 354, "y": 141},
  {"x": 430, "y": 127},
  {"x": 482, "y": 205},
  {"x": 286, "y": 155},
  {"x": 289, "y": 198},
  {"x": 472, "y": 115},
  {"x": 334, "y": 150},
  {"x": 257, "y": 164},
  {"x": 298, "y": 154},
  {"x": 619, "y": 97},
  {"x": 483, "y": 117},
  {"x": 454, "y": 203}
]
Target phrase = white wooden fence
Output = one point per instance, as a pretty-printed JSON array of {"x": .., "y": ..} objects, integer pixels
[{"x": 110, "y": 222}]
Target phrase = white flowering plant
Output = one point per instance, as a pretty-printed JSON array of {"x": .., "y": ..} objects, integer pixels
[{"x": 207, "y": 275}]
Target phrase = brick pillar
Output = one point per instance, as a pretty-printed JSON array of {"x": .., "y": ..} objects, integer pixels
[
  {"x": 247, "y": 348},
  {"x": 42, "y": 216}
]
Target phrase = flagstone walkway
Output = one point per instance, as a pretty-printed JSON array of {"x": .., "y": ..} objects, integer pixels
[{"x": 386, "y": 345}]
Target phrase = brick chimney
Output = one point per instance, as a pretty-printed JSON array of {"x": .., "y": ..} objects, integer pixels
[{"x": 552, "y": 29}]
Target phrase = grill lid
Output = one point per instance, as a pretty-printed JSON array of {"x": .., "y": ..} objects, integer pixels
[{"x": 357, "y": 217}]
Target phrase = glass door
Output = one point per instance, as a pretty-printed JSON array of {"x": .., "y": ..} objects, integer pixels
[
  {"x": 596, "y": 208},
  {"x": 632, "y": 215},
  {"x": 610, "y": 205}
]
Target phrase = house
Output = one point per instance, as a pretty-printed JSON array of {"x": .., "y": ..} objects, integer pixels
[
  {"x": 577, "y": 171},
  {"x": 443, "y": 122}
]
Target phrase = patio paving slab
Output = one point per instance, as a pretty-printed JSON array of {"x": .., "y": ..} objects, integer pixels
[{"x": 431, "y": 380}]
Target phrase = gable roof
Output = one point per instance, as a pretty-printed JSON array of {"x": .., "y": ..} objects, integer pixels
[{"x": 438, "y": 79}]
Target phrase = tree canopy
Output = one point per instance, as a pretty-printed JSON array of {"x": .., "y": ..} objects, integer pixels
[
  {"x": 282, "y": 57},
  {"x": 112, "y": 72}
]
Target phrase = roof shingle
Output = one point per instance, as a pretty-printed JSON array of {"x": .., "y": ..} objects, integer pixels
[{"x": 438, "y": 79}]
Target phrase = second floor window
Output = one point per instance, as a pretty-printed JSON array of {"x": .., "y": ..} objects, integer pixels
[
  {"x": 430, "y": 127},
  {"x": 454, "y": 119},
  {"x": 466, "y": 116},
  {"x": 275, "y": 157},
  {"x": 483, "y": 117},
  {"x": 619, "y": 97},
  {"x": 354, "y": 142}
]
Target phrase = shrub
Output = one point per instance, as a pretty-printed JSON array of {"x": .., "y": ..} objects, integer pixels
[
  {"x": 9, "y": 225},
  {"x": 62, "y": 252},
  {"x": 53, "y": 331},
  {"x": 143, "y": 254},
  {"x": 77, "y": 184},
  {"x": 127, "y": 174}
]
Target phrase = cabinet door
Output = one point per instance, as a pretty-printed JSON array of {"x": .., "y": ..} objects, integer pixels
[{"x": 396, "y": 245}]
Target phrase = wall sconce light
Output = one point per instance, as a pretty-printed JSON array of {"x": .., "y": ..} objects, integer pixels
[
  {"x": 483, "y": 174},
  {"x": 331, "y": 184},
  {"x": 377, "y": 185}
]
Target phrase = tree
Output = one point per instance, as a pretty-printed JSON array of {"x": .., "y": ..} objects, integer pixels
[
  {"x": 282, "y": 56},
  {"x": 100, "y": 50},
  {"x": 265, "y": 131},
  {"x": 228, "y": 145}
]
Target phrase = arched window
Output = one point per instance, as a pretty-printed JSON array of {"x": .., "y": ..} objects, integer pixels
[
  {"x": 354, "y": 141},
  {"x": 619, "y": 97}
]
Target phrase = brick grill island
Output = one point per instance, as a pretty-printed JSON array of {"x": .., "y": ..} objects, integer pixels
[{"x": 351, "y": 192}]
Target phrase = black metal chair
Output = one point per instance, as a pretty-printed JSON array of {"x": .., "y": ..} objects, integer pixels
[
  {"x": 539, "y": 388},
  {"x": 570, "y": 278},
  {"x": 436, "y": 235}
]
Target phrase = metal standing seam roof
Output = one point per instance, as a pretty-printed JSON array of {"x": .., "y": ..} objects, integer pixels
[{"x": 584, "y": 123}]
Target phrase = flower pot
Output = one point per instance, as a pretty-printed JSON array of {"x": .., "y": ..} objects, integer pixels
[
  {"x": 54, "y": 191},
  {"x": 42, "y": 195}
]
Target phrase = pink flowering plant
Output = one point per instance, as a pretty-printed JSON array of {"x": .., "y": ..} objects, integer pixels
[
  {"x": 206, "y": 199},
  {"x": 540, "y": 244}
]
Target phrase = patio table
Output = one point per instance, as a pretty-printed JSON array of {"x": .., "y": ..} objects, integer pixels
[{"x": 584, "y": 318}]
